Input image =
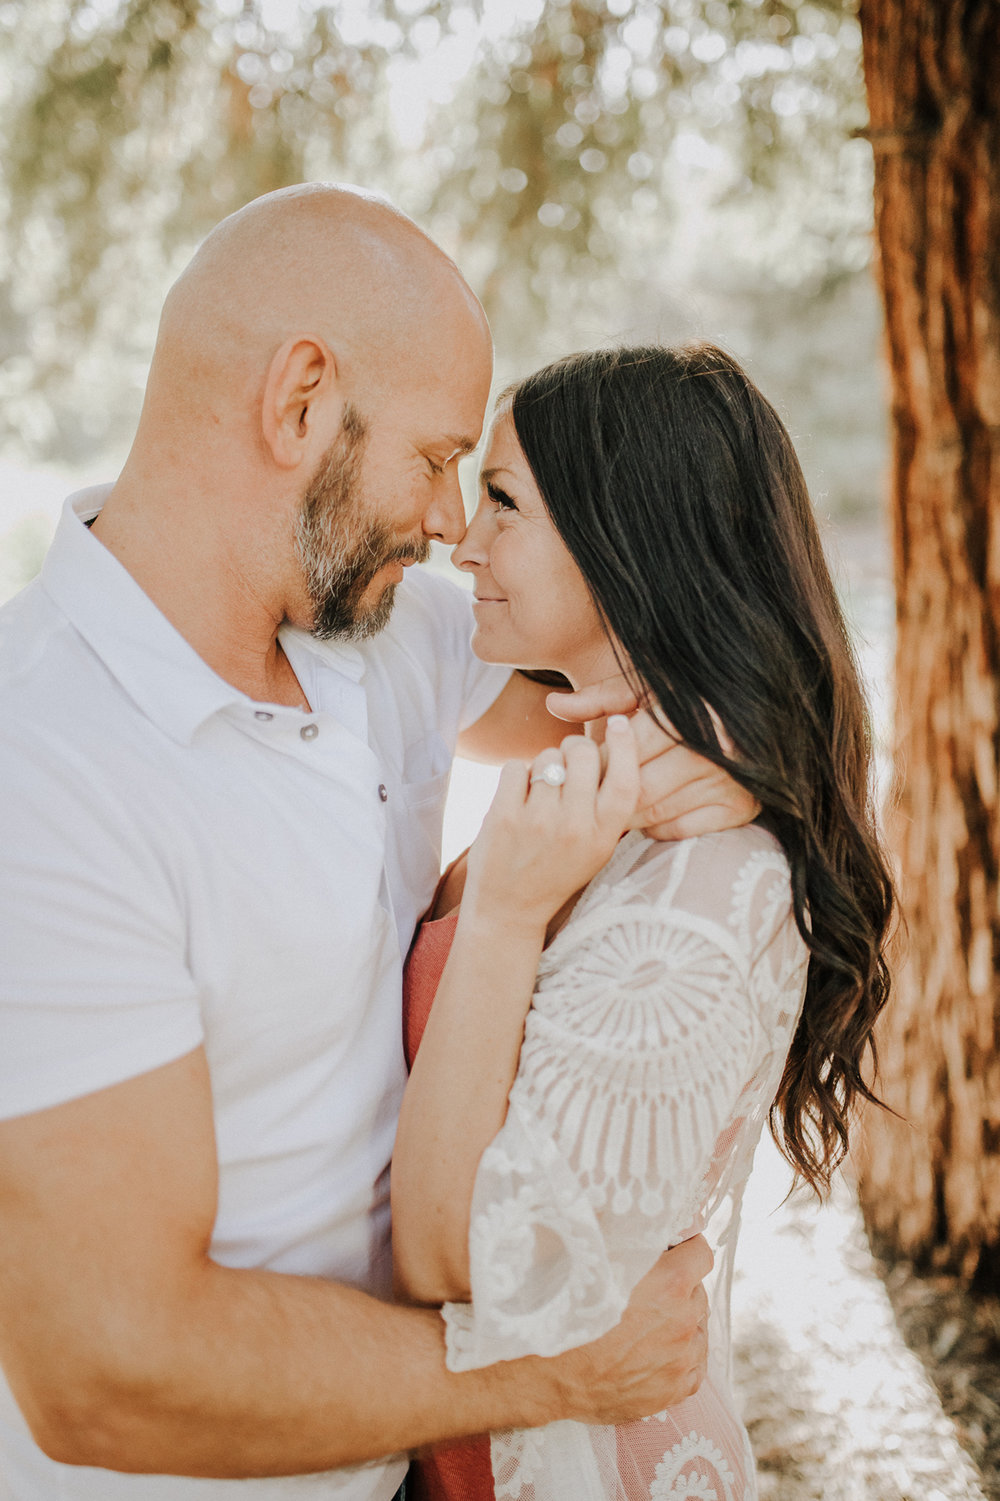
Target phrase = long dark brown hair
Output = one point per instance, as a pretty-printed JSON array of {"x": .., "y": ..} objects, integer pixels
[{"x": 676, "y": 489}]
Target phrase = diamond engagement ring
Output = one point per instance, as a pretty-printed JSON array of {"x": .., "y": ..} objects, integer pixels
[{"x": 553, "y": 775}]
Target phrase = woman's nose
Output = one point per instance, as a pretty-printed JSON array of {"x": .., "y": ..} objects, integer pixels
[{"x": 473, "y": 550}]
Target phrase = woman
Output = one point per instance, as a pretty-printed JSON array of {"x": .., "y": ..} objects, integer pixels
[{"x": 616, "y": 1017}]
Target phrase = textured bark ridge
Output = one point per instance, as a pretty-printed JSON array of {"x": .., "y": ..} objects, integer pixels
[{"x": 932, "y": 1187}]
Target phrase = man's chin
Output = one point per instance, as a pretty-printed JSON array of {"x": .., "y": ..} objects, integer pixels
[
  {"x": 359, "y": 620},
  {"x": 376, "y": 618}
]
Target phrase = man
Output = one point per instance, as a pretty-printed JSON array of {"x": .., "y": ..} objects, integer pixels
[{"x": 223, "y": 756}]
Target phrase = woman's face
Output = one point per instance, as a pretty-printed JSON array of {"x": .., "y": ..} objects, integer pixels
[{"x": 532, "y": 607}]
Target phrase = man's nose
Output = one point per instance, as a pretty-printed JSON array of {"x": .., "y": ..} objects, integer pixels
[
  {"x": 445, "y": 518},
  {"x": 473, "y": 549}
]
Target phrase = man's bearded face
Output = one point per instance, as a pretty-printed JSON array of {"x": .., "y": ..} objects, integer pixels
[{"x": 341, "y": 545}]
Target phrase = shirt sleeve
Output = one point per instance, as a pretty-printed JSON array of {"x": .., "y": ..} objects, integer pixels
[
  {"x": 94, "y": 987},
  {"x": 648, "y": 1056}
]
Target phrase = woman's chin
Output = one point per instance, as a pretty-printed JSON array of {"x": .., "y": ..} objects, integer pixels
[
  {"x": 514, "y": 655},
  {"x": 486, "y": 653},
  {"x": 489, "y": 651}
]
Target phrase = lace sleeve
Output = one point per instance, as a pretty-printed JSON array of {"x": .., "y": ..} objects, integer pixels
[{"x": 660, "y": 1017}]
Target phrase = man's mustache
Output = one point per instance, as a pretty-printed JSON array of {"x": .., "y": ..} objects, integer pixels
[{"x": 410, "y": 552}]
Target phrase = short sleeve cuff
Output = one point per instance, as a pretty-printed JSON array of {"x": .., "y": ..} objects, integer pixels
[
  {"x": 459, "y": 1337},
  {"x": 77, "y": 1076}
]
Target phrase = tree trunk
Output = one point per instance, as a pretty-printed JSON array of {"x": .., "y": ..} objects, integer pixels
[{"x": 931, "y": 1186}]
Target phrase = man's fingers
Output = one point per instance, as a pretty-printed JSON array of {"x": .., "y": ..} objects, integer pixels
[
  {"x": 687, "y": 1265},
  {"x": 708, "y": 806},
  {"x": 655, "y": 737},
  {"x": 612, "y": 696},
  {"x": 715, "y": 819},
  {"x": 668, "y": 780},
  {"x": 690, "y": 783}
]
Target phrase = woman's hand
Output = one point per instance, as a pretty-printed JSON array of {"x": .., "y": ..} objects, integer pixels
[
  {"x": 682, "y": 794},
  {"x": 541, "y": 843}
]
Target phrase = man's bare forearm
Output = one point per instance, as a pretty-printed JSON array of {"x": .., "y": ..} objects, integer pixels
[
  {"x": 128, "y": 1348},
  {"x": 260, "y": 1373}
]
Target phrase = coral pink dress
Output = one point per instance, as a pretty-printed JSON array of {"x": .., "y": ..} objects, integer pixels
[
  {"x": 658, "y": 1030},
  {"x": 458, "y": 1471}
]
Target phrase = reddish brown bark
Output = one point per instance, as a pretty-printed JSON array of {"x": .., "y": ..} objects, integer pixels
[{"x": 931, "y": 1187}]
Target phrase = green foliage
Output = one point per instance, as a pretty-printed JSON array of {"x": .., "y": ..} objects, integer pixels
[
  {"x": 594, "y": 163},
  {"x": 574, "y": 119}
]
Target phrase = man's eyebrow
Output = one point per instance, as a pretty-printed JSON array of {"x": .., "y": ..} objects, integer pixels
[{"x": 459, "y": 445}]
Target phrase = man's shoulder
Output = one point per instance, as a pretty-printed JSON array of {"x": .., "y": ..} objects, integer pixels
[
  {"x": 54, "y": 690},
  {"x": 38, "y": 648}
]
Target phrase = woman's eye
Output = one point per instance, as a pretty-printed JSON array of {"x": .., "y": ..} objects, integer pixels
[{"x": 500, "y": 498}]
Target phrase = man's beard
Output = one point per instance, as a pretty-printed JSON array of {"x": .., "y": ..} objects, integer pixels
[{"x": 340, "y": 544}]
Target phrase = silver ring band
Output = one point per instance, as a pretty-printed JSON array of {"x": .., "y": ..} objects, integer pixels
[{"x": 553, "y": 775}]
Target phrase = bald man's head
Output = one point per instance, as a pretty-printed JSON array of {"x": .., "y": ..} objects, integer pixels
[
  {"x": 320, "y": 367},
  {"x": 318, "y": 258}
]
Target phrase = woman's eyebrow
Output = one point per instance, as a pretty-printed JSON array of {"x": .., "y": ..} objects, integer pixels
[{"x": 487, "y": 475}]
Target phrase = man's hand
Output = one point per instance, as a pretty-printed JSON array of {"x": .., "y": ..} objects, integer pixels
[
  {"x": 682, "y": 794},
  {"x": 656, "y": 1356}
]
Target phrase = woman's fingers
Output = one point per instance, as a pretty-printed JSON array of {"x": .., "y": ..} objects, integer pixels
[
  {"x": 619, "y": 789},
  {"x": 547, "y": 774},
  {"x": 511, "y": 790},
  {"x": 583, "y": 773},
  {"x": 584, "y": 786}
]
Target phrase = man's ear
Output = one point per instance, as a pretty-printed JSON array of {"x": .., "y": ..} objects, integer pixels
[{"x": 300, "y": 386}]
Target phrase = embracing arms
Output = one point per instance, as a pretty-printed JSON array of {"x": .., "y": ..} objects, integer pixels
[{"x": 127, "y": 1347}]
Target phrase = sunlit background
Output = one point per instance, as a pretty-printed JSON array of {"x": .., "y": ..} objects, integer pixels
[{"x": 601, "y": 170}]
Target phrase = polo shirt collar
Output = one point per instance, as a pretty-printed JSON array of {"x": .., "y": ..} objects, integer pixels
[{"x": 159, "y": 670}]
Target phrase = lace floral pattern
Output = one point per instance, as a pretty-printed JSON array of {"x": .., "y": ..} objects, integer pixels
[{"x": 660, "y": 1022}]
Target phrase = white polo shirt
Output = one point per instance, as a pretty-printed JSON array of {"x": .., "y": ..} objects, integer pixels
[{"x": 182, "y": 865}]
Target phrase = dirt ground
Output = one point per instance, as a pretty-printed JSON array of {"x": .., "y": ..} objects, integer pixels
[{"x": 859, "y": 1381}]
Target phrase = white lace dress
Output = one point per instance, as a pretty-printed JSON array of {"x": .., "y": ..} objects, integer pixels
[{"x": 656, "y": 1040}]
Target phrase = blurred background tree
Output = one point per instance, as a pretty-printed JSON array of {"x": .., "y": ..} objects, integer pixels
[
  {"x": 600, "y": 168},
  {"x": 931, "y": 1182}
]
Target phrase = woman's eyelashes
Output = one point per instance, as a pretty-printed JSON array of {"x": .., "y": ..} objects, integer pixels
[{"x": 500, "y": 497}]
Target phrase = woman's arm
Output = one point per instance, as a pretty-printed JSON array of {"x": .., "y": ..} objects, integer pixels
[
  {"x": 537, "y": 847},
  {"x": 456, "y": 1101}
]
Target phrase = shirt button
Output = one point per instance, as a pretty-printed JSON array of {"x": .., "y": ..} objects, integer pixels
[
  {"x": 383, "y": 793},
  {"x": 309, "y": 731},
  {"x": 262, "y": 714}
]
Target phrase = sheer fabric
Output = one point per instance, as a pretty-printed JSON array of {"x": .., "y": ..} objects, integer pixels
[{"x": 661, "y": 1019}]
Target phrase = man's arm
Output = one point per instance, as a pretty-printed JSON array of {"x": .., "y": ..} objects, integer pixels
[
  {"x": 515, "y": 727},
  {"x": 128, "y": 1348},
  {"x": 681, "y": 794}
]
